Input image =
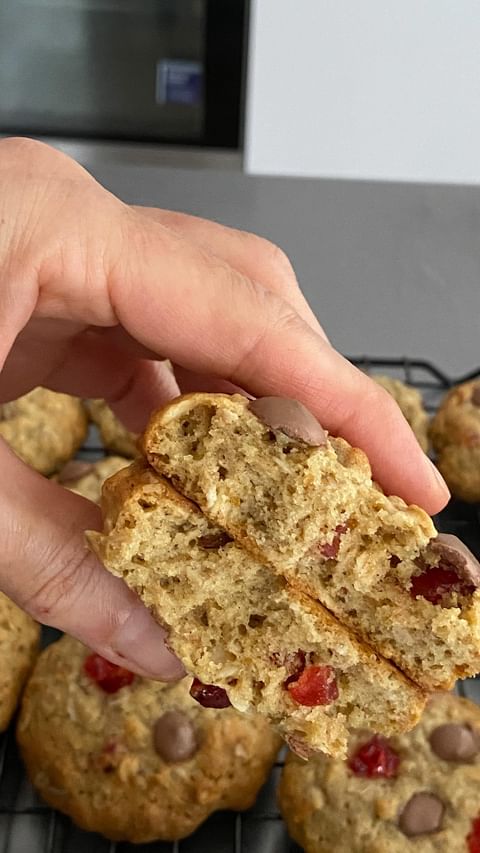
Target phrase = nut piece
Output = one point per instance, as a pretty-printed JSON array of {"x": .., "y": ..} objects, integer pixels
[
  {"x": 291, "y": 418},
  {"x": 174, "y": 737},
  {"x": 455, "y": 742},
  {"x": 422, "y": 814},
  {"x": 212, "y": 541},
  {"x": 452, "y": 550}
]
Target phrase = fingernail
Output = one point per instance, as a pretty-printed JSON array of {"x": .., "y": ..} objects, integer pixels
[
  {"x": 141, "y": 641},
  {"x": 438, "y": 477}
]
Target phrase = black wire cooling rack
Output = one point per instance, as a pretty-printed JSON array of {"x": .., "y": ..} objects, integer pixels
[{"x": 27, "y": 825}]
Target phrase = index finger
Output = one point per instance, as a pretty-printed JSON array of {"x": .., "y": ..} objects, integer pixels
[{"x": 192, "y": 307}]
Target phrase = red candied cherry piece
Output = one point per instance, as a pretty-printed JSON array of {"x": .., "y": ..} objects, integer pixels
[
  {"x": 209, "y": 695},
  {"x": 108, "y": 676},
  {"x": 473, "y": 838},
  {"x": 316, "y": 685},
  {"x": 375, "y": 759},
  {"x": 330, "y": 549},
  {"x": 437, "y": 581}
]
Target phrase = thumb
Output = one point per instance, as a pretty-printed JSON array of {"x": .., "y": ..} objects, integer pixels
[{"x": 46, "y": 568}]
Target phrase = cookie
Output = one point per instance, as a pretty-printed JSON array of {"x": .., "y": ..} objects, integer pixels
[
  {"x": 418, "y": 791},
  {"x": 455, "y": 435},
  {"x": 114, "y": 435},
  {"x": 411, "y": 404},
  {"x": 86, "y": 478},
  {"x": 19, "y": 638},
  {"x": 237, "y": 626},
  {"x": 44, "y": 428},
  {"x": 304, "y": 503},
  {"x": 131, "y": 758}
]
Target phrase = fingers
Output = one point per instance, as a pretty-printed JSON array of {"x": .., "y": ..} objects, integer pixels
[
  {"x": 215, "y": 321},
  {"x": 46, "y": 568},
  {"x": 253, "y": 256}
]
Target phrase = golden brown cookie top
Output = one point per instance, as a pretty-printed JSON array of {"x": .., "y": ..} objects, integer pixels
[
  {"x": 44, "y": 428},
  {"x": 19, "y": 638},
  {"x": 134, "y": 758},
  {"x": 418, "y": 791},
  {"x": 411, "y": 404},
  {"x": 115, "y": 436},
  {"x": 458, "y": 418}
]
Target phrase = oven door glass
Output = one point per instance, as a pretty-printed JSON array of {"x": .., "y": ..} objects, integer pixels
[{"x": 112, "y": 69}]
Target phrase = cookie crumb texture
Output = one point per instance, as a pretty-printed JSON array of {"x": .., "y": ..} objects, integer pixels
[
  {"x": 143, "y": 762},
  {"x": 44, "y": 428},
  {"x": 315, "y": 516},
  {"x": 455, "y": 436},
  {"x": 19, "y": 639},
  {"x": 431, "y": 804},
  {"x": 236, "y": 625},
  {"x": 410, "y": 403},
  {"x": 114, "y": 435}
]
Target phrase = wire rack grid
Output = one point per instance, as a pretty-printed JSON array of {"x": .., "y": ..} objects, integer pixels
[{"x": 27, "y": 825}]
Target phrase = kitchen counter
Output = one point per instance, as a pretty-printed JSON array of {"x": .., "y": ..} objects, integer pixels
[{"x": 390, "y": 269}]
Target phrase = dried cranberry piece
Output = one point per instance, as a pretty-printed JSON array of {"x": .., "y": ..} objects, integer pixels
[
  {"x": 473, "y": 838},
  {"x": 209, "y": 695},
  {"x": 375, "y": 759},
  {"x": 330, "y": 549},
  {"x": 437, "y": 581},
  {"x": 108, "y": 676},
  {"x": 316, "y": 685}
]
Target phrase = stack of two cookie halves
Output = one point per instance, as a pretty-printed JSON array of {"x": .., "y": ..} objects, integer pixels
[{"x": 290, "y": 584}]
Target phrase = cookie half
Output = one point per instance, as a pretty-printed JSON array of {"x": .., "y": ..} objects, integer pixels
[
  {"x": 305, "y": 504},
  {"x": 249, "y": 637},
  {"x": 134, "y": 759}
]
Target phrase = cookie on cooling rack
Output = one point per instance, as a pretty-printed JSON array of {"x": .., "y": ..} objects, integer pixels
[
  {"x": 135, "y": 759},
  {"x": 114, "y": 435},
  {"x": 44, "y": 428},
  {"x": 87, "y": 478},
  {"x": 411, "y": 404},
  {"x": 19, "y": 638},
  {"x": 455, "y": 435},
  {"x": 416, "y": 792}
]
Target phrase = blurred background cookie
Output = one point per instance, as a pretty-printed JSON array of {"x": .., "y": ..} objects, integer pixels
[
  {"x": 410, "y": 402},
  {"x": 418, "y": 791},
  {"x": 44, "y": 428},
  {"x": 132, "y": 758},
  {"x": 19, "y": 638},
  {"x": 114, "y": 435},
  {"x": 87, "y": 478},
  {"x": 455, "y": 436}
]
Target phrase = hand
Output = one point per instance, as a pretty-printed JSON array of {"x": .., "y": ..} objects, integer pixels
[{"x": 93, "y": 294}]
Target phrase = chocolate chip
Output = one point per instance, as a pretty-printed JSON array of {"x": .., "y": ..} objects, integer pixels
[
  {"x": 453, "y": 551},
  {"x": 73, "y": 470},
  {"x": 291, "y": 418},
  {"x": 214, "y": 540},
  {"x": 174, "y": 737},
  {"x": 455, "y": 742},
  {"x": 475, "y": 398},
  {"x": 422, "y": 814}
]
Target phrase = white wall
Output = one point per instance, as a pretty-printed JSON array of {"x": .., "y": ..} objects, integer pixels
[{"x": 382, "y": 89}]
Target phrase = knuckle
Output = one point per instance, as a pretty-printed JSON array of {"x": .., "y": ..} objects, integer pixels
[{"x": 276, "y": 258}]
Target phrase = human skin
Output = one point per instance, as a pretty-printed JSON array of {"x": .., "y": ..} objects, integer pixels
[{"x": 94, "y": 293}]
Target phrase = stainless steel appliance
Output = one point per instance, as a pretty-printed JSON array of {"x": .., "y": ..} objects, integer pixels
[{"x": 142, "y": 70}]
